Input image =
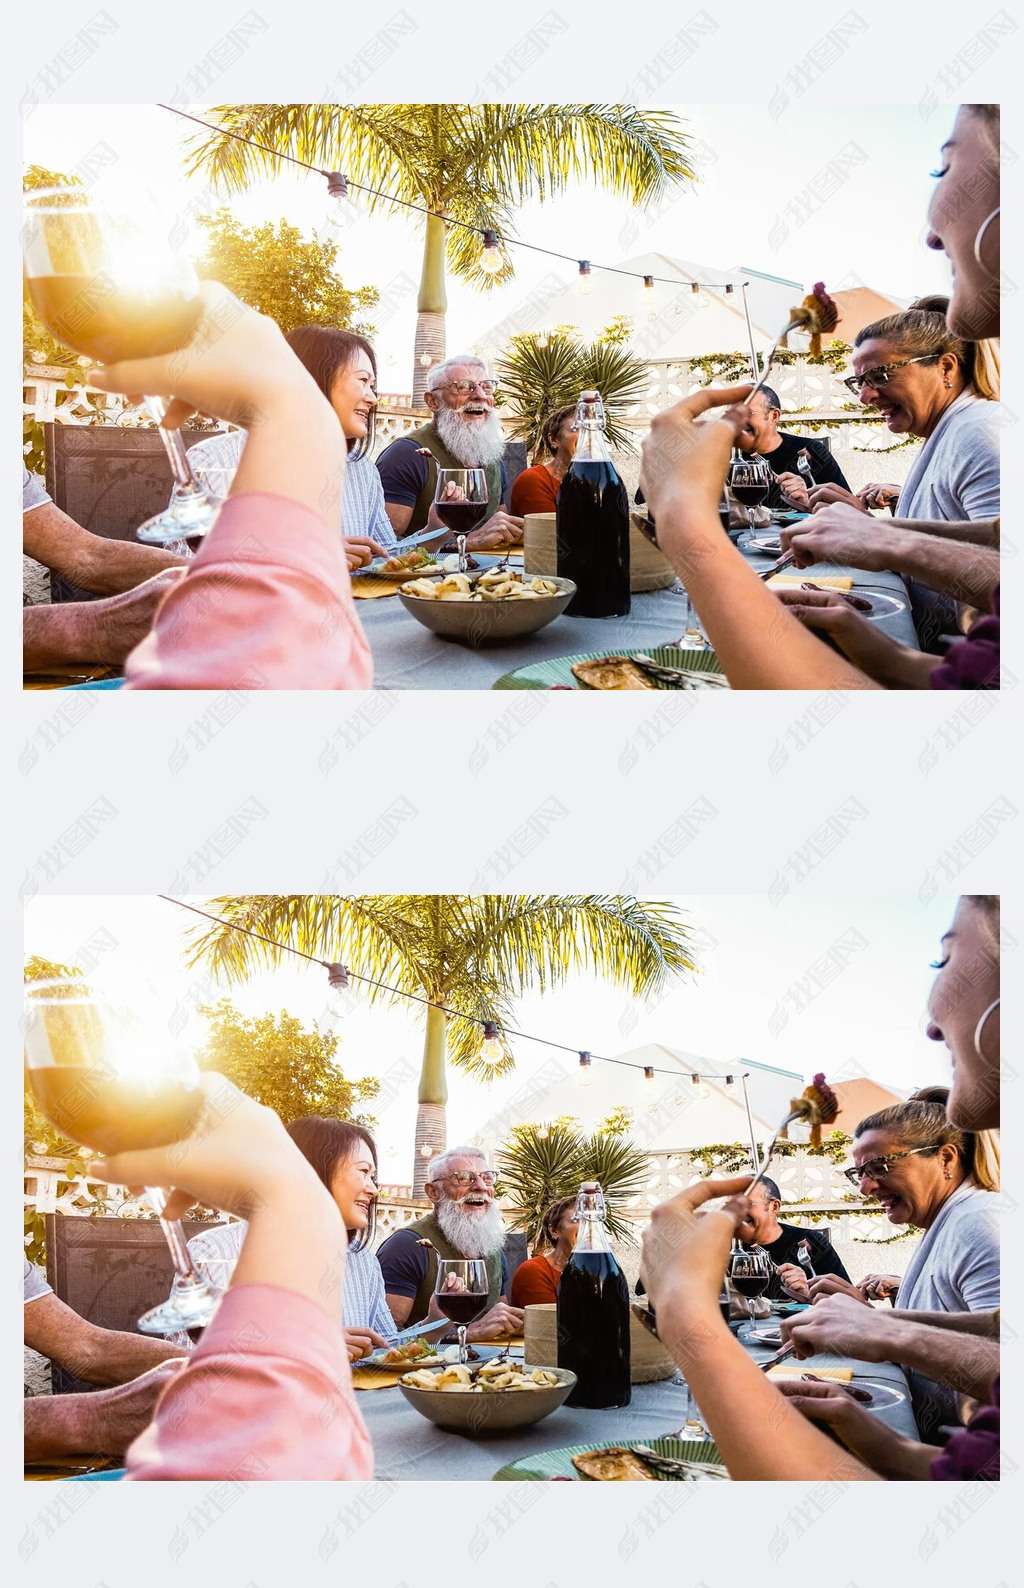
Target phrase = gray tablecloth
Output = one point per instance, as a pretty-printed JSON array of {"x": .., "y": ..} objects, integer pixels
[
  {"x": 407, "y": 1446},
  {"x": 408, "y": 656}
]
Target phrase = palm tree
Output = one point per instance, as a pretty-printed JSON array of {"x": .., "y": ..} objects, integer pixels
[
  {"x": 468, "y": 163},
  {"x": 540, "y": 374},
  {"x": 473, "y": 953},
  {"x": 539, "y": 1167}
]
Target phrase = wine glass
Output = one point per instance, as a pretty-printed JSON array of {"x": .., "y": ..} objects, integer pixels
[
  {"x": 461, "y": 1291},
  {"x": 106, "y": 287},
  {"x": 750, "y": 481},
  {"x": 750, "y": 1271},
  {"x": 725, "y": 509},
  {"x": 103, "y": 1076},
  {"x": 460, "y": 501}
]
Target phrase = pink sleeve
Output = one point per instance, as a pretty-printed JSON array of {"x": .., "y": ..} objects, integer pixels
[
  {"x": 266, "y": 604},
  {"x": 266, "y": 1394}
]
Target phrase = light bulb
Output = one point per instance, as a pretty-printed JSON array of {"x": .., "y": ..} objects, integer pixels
[
  {"x": 648, "y": 1078},
  {"x": 586, "y": 1070},
  {"x": 729, "y": 287},
  {"x": 542, "y": 1133},
  {"x": 585, "y": 283},
  {"x": 695, "y": 287},
  {"x": 648, "y": 284},
  {"x": 542, "y": 340},
  {"x": 695, "y": 1080},
  {"x": 426, "y": 1152},
  {"x": 338, "y": 999},
  {"x": 491, "y": 1049},
  {"x": 425, "y": 360},
  {"x": 730, "y": 1080},
  {"x": 337, "y": 199},
  {"x": 490, "y": 258}
]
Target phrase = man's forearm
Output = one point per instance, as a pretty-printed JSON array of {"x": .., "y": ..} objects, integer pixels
[
  {"x": 974, "y": 532},
  {"x": 113, "y": 1356},
  {"x": 983, "y": 1323},
  {"x": 967, "y": 1363},
  {"x": 113, "y": 566},
  {"x": 58, "y": 636},
  {"x": 64, "y": 1425},
  {"x": 952, "y": 567}
]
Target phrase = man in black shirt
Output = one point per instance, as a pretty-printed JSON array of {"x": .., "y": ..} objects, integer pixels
[
  {"x": 781, "y": 452},
  {"x": 781, "y": 1242}
]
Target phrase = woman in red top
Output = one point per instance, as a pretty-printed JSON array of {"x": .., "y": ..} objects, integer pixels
[
  {"x": 536, "y": 1280},
  {"x": 536, "y": 489}
]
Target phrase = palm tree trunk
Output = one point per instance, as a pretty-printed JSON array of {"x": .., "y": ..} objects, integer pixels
[
  {"x": 432, "y": 1097},
  {"x": 431, "y": 306}
]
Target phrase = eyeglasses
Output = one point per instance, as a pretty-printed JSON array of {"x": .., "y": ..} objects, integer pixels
[
  {"x": 465, "y": 386},
  {"x": 463, "y": 1178},
  {"x": 878, "y": 1168},
  {"x": 879, "y": 376}
]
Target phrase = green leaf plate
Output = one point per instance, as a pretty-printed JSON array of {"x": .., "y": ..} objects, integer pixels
[
  {"x": 557, "y": 670},
  {"x": 558, "y": 1463}
]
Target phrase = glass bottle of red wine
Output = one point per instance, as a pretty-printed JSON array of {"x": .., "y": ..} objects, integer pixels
[
  {"x": 592, "y": 521},
  {"x": 592, "y": 1312}
]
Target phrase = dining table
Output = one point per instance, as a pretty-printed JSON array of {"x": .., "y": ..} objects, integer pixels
[
  {"x": 407, "y": 1445},
  {"x": 408, "y": 656}
]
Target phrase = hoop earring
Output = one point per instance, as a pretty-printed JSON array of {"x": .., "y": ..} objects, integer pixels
[
  {"x": 979, "y": 1028},
  {"x": 979, "y": 238}
]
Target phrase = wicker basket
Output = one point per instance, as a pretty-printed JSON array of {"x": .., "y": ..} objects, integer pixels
[
  {"x": 649, "y": 569},
  {"x": 649, "y": 1361}
]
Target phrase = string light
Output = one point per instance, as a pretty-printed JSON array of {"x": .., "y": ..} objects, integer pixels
[
  {"x": 491, "y": 1049},
  {"x": 542, "y": 340},
  {"x": 344, "y": 183},
  {"x": 337, "y": 986},
  {"x": 543, "y": 1132},
  {"x": 648, "y": 283},
  {"x": 648, "y": 1077},
  {"x": 490, "y": 258},
  {"x": 585, "y": 283},
  {"x": 337, "y": 199},
  {"x": 426, "y": 1152},
  {"x": 340, "y": 977},
  {"x": 729, "y": 1079},
  {"x": 425, "y": 360}
]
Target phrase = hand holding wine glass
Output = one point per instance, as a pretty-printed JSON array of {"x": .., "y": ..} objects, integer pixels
[
  {"x": 750, "y": 1271},
  {"x": 102, "y": 285},
  {"x": 750, "y": 481},
  {"x": 103, "y": 1076},
  {"x": 461, "y": 1290}
]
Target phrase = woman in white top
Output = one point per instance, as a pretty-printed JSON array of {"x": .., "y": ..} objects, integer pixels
[
  {"x": 345, "y": 369},
  {"x": 345, "y": 1158}
]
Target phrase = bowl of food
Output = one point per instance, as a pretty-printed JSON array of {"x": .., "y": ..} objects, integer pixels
[
  {"x": 488, "y": 1399},
  {"x": 478, "y": 608}
]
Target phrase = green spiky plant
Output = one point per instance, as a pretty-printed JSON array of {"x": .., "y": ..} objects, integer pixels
[
  {"x": 540, "y": 374},
  {"x": 538, "y": 1167}
]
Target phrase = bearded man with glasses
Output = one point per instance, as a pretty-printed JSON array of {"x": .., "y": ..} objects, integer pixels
[
  {"x": 465, "y": 1222},
  {"x": 464, "y": 432}
]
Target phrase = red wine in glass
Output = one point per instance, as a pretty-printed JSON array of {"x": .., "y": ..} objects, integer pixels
[
  {"x": 461, "y": 1290},
  {"x": 750, "y": 1284},
  {"x": 750, "y": 495},
  {"x": 462, "y": 1306},
  {"x": 461, "y": 517}
]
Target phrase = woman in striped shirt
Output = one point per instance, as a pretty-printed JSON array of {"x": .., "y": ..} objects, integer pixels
[
  {"x": 345, "y": 1158},
  {"x": 345, "y": 369}
]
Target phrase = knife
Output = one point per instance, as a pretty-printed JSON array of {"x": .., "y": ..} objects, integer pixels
[
  {"x": 404, "y": 545},
  {"x": 780, "y": 1356}
]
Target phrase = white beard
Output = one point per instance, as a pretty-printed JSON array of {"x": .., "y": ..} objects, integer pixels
[
  {"x": 479, "y": 1234},
  {"x": 475, "y": 443}
]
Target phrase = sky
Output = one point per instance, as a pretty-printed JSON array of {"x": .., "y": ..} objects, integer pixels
[
  {"x": 772, "y": 987},
  {"x": 833, "y": 193}
]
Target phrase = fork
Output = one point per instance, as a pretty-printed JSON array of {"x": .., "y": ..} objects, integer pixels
[
  {"x": 784, "y": 562},
  {"x": 688, "y": 678},
  {"x": 793, "y": 325},
  {"x": 794, "y": 1113}
]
